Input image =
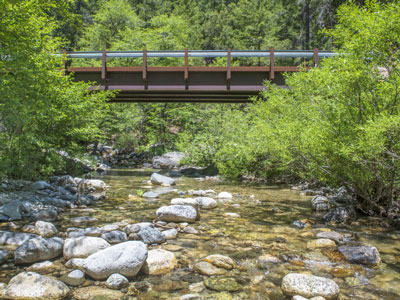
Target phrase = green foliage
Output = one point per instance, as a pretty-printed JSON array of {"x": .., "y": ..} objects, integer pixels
[
  {"x": 337, "y": 124},
  {"x": 41, "y": 111}
]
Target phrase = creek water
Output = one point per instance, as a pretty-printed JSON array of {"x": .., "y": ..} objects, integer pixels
[{"x": 263, "y": 226}]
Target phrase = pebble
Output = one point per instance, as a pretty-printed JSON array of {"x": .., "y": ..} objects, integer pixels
[{"x": 117, "y": 282}]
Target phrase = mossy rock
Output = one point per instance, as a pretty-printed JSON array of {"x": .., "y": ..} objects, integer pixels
[
  {"x": 220, "y": 296},
  {"x": 222, "y": 284}
]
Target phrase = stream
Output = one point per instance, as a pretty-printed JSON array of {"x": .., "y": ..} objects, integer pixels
[{"x": 256, "y": 223}]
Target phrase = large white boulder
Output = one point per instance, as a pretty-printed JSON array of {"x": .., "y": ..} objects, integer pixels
[
  {"x": 125, "y": 258},
  {"x": 84, "y": 246},
  {"x": 45, "y": 229},
  {"x": 161, "y": 179},
  {"x": 32, "y": 286},
  {"x": 38, "y": 249},
  {"x": 309, "y": 286}
]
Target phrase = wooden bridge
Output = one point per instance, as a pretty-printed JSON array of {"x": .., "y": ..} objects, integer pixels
[{"x": 227, "y": 84}]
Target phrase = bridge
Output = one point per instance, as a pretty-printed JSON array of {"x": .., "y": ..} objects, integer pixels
[{"x": 186, "y": 83}]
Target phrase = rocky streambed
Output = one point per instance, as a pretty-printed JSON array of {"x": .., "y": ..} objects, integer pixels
[{"x": 188, "y": 238}]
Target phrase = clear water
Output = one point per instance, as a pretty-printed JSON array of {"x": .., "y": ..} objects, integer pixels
[{"x": 264, "y": 227}]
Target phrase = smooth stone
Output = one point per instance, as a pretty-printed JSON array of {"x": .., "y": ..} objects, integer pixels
[
  {"x": 225, "y": 195},
  {"x": 33, "y": 286},
  {"x": 125, "y": 258},
  {"x": 158, "y": 192},
  {"x": 15, "y": 238},
  {"x": 208, "y": 269},
  {"x": 83, "y": 220},
  {"x": 159, "y": 261},
  {"x": 75, "y": 263},
  {"x": 206, "y": 202},
  {"x": 321, "y": 243},
  {"x": 45, "y": 229},
  {"x": 151, "y": 235},
  {"x": 97, "y": 293},
  {"x": 134, "y": 228},
  {"x": 12, "y": 210},
  {"x": 177, "y": 213},
  {"x": 367, "y": 255},
  {"x": 117, "y": 282},
  {"x": 332, "y": 235},
  {"x": 108, "y": 228},
  {"x": 115, "y": 237},
  {"x": 38, "y": 249},
  {"x": 94, "y": 185},
  {"x": 161, "y": 179},
  {"x": 44, "y": 267},
  {"x": 73, "y": 278},
  {"x": 320, "y": 203},
  {"x": 83, "y": 247},
  {"x": 184, "y": 201},
  {"x": 190, "y": 230},
  {"x": 173, "y": 248},
  {"x": 220, "y": 261},
  {"x": 267, "y": 259},
  {"x": 75, "y": 234},
  {"x": 92, "y": 231},
  {"x": 232, "y": 215},
  {"x": 222, "y": 284},
  {"x": 46, "y": 214},
  {"x": 190, "y": 297},
  {"x": 170, "y": 234},
  {"x": 309, "y": 286}
]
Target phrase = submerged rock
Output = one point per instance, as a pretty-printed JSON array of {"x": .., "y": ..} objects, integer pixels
[
  {"x": 177, "y": 213},
  {"x": 161, "y": 179},
  {"x": 159, "y": 262},
  {"x": 32, "y": 286},
  {"x": 321, "y": 243},
  {"x": 332, "y": 235},
  {"x": 125, "y": 258},
  {"x": 3, "y": 256},
  {"x": 83, "y": 247},
  {"x": 208, "y": 269},
  {"x": 220, "y": 261},
  {"x": 83, "y": 220},
  {"x": 73, "y": 278},
  {"x": 117, "y": 282},
  {"x": 309, "y": 286},
  {"x": 97, "y": 293},
  {"x": 366, "y": 255},
  {"x": 222, "y": 284},
  {"x": 47, "y": 214},
  {"x": 38, "y": 249}
]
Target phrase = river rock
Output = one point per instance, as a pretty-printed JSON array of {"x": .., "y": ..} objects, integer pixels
[
  {"x": 177, "y": 213},
  {"x": 340, "y": 214},
  {"x": 97, "y": 293},
  {"x": 151, "y": 235},
  {"x": 332, "y": 235},
  {"x": 366, "y": 255},
  {"x": 83, "y": 247},
  {"x": 92, "y": 231},
  {"x": 125, "y": 258},
  {"x": 75, "y": 263},
  {"x": 184, "y": 201},
  {"x": 33, "y": 286},
  {"x": 159, "y": 261},
  {"x": 134, "y": 228},
  {"x": 297, "y": 297},
  {"x": 15, "y": 238},
  {"x": 220, "y": 261},
  {"x": 73, "y": 278},
  {"x": 158, "y": 192},
  {"x": 94, "y": 185},
  {"x": 161, "y": 179},
  {"x": 222, "y": 284},
  {"x": 38, "y": 249},
  {"x": 45, "y": 229},
  {"x": 190, "y": 230},
  {"x": 108, "y": 228},
  {"x": 309, "y": 286},
  {"x": 320, "y": 203},
  {"x": 12, "y": 210},
  {"x": 3, "y": 256},
  {"x": 117, "y": 282},
  {"x": 225, "y": 195},
  {"x": 170, "y": 234},
  {"x": 168, "y": 160},
  {"x": 46, "y": 214},
  {"x": 82, "y": 220},
  {"x": 321, "y": 243},
  {"x": 208, "y": 269},
  {"x": 206, "y": 202},
  {"x": 115, "y": 237},
  {"x": 45, "y": 267},
  {"x": 267, "y": 259}
]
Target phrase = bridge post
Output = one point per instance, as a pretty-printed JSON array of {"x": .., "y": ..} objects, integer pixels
[
  {"x": 104, "y": 65},
  {"x": 65, "y": 62},
  {"x": 228, "y": 70},
  {"x": 316, "y": 57},
  {"x": 186, "y": 73},
  {"x": 271, "y": 64},
  {"x": 144, "y": 75}
]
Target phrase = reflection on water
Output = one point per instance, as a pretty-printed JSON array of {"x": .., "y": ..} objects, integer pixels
[{"x": 262, "y": 228}]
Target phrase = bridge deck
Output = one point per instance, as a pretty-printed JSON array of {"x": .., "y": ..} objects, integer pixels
[{"x": 184, "y": 84}]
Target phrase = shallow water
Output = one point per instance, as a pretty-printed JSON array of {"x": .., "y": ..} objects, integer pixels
[{"x": 263, "y": 227}]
